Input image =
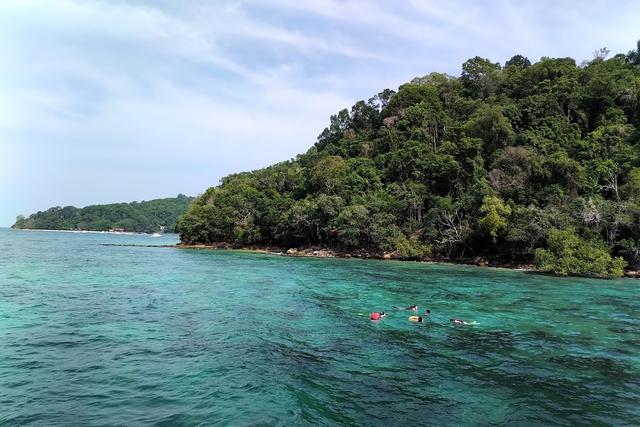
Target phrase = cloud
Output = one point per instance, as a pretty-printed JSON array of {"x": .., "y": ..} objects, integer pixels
[{"x": 113, "y": 101}]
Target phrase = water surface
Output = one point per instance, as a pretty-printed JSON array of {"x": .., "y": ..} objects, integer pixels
[{"x": 120, "y": 335}]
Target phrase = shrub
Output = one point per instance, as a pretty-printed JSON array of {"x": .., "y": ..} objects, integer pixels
[{"x": 569, "y": 254}]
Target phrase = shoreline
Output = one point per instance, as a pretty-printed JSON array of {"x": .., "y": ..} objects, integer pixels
[
  {"x": 319, "y": 252},
  {"x": 323, "y": 252},
  {"x": 124, "y": 233}
]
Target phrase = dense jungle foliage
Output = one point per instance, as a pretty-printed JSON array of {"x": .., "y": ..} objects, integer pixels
[
  {"x": 140, "y": 217},
  {"x": 518, "y": 162}
]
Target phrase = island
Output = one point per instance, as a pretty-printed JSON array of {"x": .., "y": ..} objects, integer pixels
[
  {"x": 152, "y": 216},
  {"x": 518, "y": 164}
]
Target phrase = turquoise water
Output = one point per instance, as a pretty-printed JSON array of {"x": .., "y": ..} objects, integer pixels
[{"x": 119, "y": 335}]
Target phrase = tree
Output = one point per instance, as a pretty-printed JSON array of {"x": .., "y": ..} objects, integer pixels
[
  {"x": 425, "y": 122},
  {"x": 328, "y": 174},
  {"x": 352, "y": 225},
  {"x": 600, "y": 54},
  {"x": 480, "y": 77},
  {"x": 631, "y": 189},
  {"x": 633, "y": 56},
  {"x": 382, "y": 99},
  {"x": 495, "y": 215},
  {"x": 489, "y": 124},
  {"x": 568, "y": 254},
  {"x": 447, "y": 163},
  {"x": 513, "y": 172},
  {"x": 518, "y": 61},
  {"x": 527, "y": 229},
  {"x": 144, "y": 217},
  {"x": 412, "y": 248}
]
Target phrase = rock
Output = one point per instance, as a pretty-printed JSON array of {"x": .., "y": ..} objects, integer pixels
[
  {"x": 292, "y": 251},
  {"x": 390, "y": 121}
]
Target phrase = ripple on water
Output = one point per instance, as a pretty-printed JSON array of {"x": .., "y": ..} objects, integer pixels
[{"x": 107, "y": 335}]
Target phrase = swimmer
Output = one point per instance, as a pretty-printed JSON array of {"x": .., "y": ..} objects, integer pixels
[
  {"x": 427, "y": 313},
  {"x": 456, "y": 321},
  {"x": 412, "y": 308},
  {"x": 377, "y": 316},
  {"x": 417, "y": 319}
]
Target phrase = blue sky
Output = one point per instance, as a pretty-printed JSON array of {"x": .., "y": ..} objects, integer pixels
[{"x": 105, "y": 101}]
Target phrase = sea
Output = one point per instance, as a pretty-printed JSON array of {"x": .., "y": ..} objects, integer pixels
[{"x": 107, "y": 329}]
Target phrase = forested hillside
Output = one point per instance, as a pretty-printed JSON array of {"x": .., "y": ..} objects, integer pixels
[
  {"x": 141, "y": 217},
  {"x": 517, "y": 162}
]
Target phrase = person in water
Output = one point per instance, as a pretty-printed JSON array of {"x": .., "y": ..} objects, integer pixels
[
  {"x": 412, "y": 308},
  {"x": 417, "y": 319},
  {"x": 427, "y": 313},
  {"x": 456, "y": 321},
  {"x": 377, "y": 316}
]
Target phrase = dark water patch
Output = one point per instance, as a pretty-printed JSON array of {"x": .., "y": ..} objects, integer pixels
[
  {"x": 607, "y": 367},
  {"x": 546, "y": 337},
  {"x": 17, "y": 384},
  {"x": 620, "y": 330},
  {"x": 29, "y": 365},
  {"x": 528, "y": 300},
  {"x": 173, "y": 420},
  {"x": 188, "y": 348},
  {"x": 294, "y": 357},
  {"x": 445, "y": 295},
  {"x": 632, "y": 342},
  {"x": 139, "y": 353},
  {"x": 475, "y": 340},
  {"x": 574, "y": 310},
  {"x": 20, "y": 420},
  {"x": 54, "y": 344},
  {"x": 619, "y": 302},
  {"x": 554, "y": 389},
  {"x": 83, "y": 369}
]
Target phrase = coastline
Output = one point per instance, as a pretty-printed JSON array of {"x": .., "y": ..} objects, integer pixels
[
  {"x": 124, "y": 233},
  {"x": 320, "y": 252},
  {"x": 323, "y": 252}
]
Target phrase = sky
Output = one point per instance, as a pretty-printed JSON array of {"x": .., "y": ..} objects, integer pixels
[{"x": 110, "y": 101}]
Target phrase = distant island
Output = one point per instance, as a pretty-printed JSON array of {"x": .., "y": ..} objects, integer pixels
[
  {"x": 159, "y": 215},
  {"x": 517, "y": 163}
]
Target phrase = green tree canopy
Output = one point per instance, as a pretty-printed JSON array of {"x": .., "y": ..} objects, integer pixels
[{"x": 481, "y": 165}]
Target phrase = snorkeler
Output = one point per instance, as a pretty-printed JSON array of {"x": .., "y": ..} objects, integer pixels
[
  {"x": 456, "y": 321},
  {"x": 377, "y": 316},
  {"x": 427, "y": 313},
  {"x": 417, "y": 319},
  {"x": 412, "y": 308}
]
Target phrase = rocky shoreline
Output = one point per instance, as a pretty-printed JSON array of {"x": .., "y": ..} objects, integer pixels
[{"x": 322, "y": 252}]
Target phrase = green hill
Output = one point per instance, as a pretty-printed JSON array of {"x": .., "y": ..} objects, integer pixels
[
  {"x": 518, "y": 162},
  {"x": 143, "y": 217}
]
